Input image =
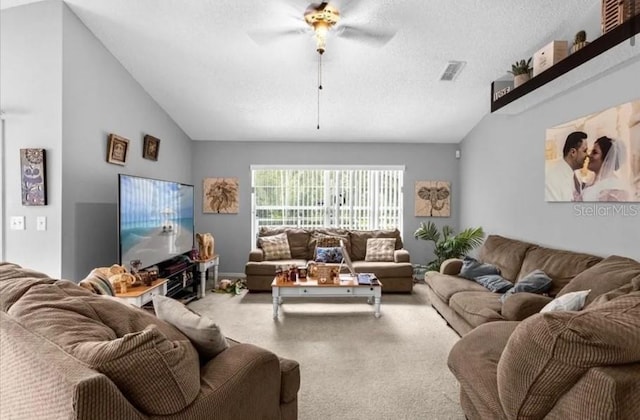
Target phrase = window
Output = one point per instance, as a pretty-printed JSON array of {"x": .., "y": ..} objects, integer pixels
[{"x": 365, "y": 197}]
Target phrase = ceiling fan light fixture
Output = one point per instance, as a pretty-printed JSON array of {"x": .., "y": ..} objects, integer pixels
[{"x": 321, "y": 17}]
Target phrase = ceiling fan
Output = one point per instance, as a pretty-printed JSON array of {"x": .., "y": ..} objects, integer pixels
[{"x": 336, "y": 18}]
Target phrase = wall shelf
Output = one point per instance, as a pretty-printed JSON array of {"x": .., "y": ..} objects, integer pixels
[{"x": 596, "y": 47}]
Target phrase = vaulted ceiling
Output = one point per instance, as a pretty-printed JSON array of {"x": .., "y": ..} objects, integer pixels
[{"x": 248, "y": 70}]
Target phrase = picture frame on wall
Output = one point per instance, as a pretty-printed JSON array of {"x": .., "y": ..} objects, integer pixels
[
  {"x": 117, "y": 149},
  {"x": 432, "y": 199},
  {"x": 33, "y": 177},
  {"x": 220, "y": 195},
  {"x": 151, "y": 147}
]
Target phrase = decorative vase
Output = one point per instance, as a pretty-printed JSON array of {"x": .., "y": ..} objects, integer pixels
[{"x": 519, "y": 79}]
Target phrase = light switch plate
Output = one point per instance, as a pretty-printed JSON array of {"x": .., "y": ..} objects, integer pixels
[
  {"x": 41, "y": 223},
  {"x": 17, "y": 223}
]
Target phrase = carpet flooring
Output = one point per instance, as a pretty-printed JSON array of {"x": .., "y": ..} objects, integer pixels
[{"x": 353, "y": 366}]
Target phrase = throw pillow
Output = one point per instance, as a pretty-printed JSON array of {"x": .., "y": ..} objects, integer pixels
[
  {"x": 535, "y": 282},
  {"x": 203, "y": 333},
  {"x": 573, "y": 301},
  {"x": 275, "y": 247},
  {"x": 494, "y": 282},
  {"x": 97, "y": 283},
  {"x": 329, "y": 254},
  {"x": 472, "y": 268},
  {"x": 380, "y": 249},
  {"x": 328, "y": 241}
]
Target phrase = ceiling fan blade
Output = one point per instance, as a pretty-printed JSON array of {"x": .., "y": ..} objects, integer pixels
[
  {"x": 268, "y": 36},
  {"x": 376, "y": 38}
]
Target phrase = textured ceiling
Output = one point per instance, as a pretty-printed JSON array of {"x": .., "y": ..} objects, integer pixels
[{"x": 211, "y": 67}]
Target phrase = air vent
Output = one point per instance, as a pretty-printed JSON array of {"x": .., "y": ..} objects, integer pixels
[{"x": 452, "y": 70}]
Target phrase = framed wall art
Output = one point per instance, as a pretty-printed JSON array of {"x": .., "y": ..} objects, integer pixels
[
  {"x": 433, "y": 198},
  {"x": 117, "y": 149},
  {"x": 33, "y": 177},
  {"x": 151, "y": 147},
  {"x": 595, "y": 158},
  {"x": 220, "y": 195}
]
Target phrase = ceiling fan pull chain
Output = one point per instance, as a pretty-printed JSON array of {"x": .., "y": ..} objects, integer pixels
[{"x": 319, "y": 86}]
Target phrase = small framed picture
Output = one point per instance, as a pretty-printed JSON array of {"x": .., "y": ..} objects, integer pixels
[
  {"x": 118, "y": 149},
  {"x": 151, "y": 147}
]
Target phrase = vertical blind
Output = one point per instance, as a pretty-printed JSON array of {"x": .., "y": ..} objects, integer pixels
[{"x": 366, "y": 197}]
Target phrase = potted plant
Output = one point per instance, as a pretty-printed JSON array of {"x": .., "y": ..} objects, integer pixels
[
  {"x": 447, "y": 244},
  {"x": 521, "y": 71},
  {"x": 579, "y": 42}
]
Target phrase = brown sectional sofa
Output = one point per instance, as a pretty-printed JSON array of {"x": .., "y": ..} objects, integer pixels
[
  {"x": 66, "y": 353},
  {"x": 396, "y": 276},
  {"x": 513, "y": 362}
]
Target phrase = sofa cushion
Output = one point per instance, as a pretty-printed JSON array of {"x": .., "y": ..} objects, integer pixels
[
  {"x": 573, "y": 301},
  {"x": 477, "y": 307},
  {"x": 384, "y": 269},
  {"x": 203, "y": 332},
  {"x": 298, "y": 239},
  {"x": 606, "y": 275},
  {"x": 380, "y": 249},
  {"x": 359, "y": 241},
  {"x": 561, "y": 266},
  {"x": 268, "y": 268},
  {"x": 324, "y": 240},
  {"x": 15, "y": 281},
  {"x": 507, "y": 254},
  {"x": 445, "y": 286},
  {"x": 632, "y": 286},
  {"x": 560, "y": 348},
  {"x": 155, "y": 374},
  {"x": 535, "y": 282},
  {"x": 472, "y": 268},
  {"x": 275, "y": 247},
  {"x": 494, "y": 283},
  {"x": 332, "y": 254},
  {"x": 98, "y": 283}
]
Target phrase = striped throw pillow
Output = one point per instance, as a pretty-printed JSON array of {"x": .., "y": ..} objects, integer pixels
[
  {"x": 97, "y": 283},
  {"x": 275, "y": 247},
  {"x": 380, "y": 249}
]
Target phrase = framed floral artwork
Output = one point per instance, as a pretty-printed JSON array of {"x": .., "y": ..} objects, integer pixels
[{"x": 220, "y": 195}]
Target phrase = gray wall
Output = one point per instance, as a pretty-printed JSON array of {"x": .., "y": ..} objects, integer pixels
[
  {"x": 232, "y": 232},
  {"x": 69, "y": 93},
  {"x": 502, "y": 174},
  {"x": 31, "y": 86},
  {"x": 101, "y": 97}
]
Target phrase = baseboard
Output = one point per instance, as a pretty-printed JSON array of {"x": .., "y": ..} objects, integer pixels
[{"x": 231, "y": 276}]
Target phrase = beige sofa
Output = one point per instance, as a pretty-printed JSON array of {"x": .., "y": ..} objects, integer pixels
[
  {"x": 465, "y": 304},
  {"x": 559, "y": 365},
  {"x": 69, "y": 354},
  {"x": 396, "y": 275},
  {"x": 514, "y": 362}
]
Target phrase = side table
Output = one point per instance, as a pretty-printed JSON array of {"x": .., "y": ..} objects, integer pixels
[
  {"x": 141, "y": 295},
  {"x": 203, "y": 266}
]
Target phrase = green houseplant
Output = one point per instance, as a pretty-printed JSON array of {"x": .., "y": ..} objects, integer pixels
[
  {"x": 447, "y": 243},
  {"x": 521, "y": 71}
]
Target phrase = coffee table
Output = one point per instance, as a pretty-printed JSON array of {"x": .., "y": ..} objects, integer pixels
[{"x": 312, "y": 289}]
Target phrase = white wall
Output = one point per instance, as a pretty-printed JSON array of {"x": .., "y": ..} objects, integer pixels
[
  {"x": 31, "y": 87},
  {"x": 232, "y": 232},
  {"x": 502, "y": 174}
]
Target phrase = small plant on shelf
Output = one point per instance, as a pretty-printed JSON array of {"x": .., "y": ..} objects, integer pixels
[
  {"x": 521, "y": 71},
  {"x": 521, "y": 67}
]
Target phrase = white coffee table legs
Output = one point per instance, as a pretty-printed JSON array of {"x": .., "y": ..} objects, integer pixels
[
  {"x": 372, "y": 293},
  {"x": 277, "y": 301},
  {"x": 375, "y": 301}
]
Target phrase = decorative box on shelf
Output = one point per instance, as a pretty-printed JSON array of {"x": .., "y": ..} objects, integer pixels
[
  {"x": 549, "y": 55},
  {"x": 499, "y": 88}
]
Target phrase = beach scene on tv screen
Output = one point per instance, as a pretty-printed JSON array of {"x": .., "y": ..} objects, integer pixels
[{"x": 156, "y": 220}]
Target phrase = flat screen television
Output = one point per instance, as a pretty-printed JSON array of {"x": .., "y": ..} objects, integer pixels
[{"x": 155, "y": 220}]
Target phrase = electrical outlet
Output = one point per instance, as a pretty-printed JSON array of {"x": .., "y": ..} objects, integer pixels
[
  {"x": 41, "y": 223},
  {"x": 17, "y": 223}
]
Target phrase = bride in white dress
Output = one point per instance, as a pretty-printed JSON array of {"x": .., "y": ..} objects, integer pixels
[{"x": 607, "y": 160}]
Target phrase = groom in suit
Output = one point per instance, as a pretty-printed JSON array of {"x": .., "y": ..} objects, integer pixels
[{"x": 561, "y": 183}]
